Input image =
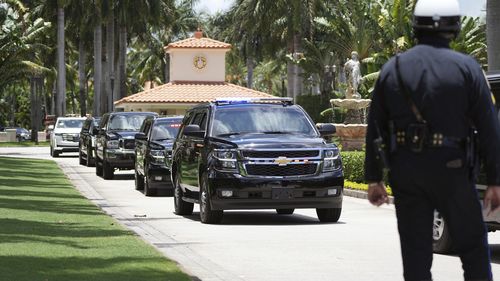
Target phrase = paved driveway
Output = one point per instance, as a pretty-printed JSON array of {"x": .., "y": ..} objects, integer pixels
[{"x": 258, "y": 245}]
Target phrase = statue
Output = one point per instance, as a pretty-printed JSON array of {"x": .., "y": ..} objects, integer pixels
[{"x": 353, "y": 76}]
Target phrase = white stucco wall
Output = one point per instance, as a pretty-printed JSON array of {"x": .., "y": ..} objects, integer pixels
[{"x": 182, "y": 65}]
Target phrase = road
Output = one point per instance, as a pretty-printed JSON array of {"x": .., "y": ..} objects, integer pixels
[{"x": 258, "y": 245}]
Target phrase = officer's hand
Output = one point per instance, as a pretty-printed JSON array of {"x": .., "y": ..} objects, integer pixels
[
  {"x": 377, "y": 195},
  {"x": 492, "y": 199}
]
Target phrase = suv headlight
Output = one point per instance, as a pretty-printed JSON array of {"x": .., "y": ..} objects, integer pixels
[
  {"x": 112, "y": 144},
  {"x": 331, "y": 160},
  {"x": 157, "y": 157},
  {"x": 225, "y": 159}
]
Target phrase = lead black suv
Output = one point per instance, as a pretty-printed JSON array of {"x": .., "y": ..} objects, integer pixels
[
  {"x": 442, "y": 240},
  {"x": 87, "y": 141},
  {"x": 115, "y": 141},
  {"x": 153, "y": 153},
  {"x": 255, "y": 154}
]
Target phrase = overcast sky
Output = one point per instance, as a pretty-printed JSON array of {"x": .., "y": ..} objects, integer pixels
[{"x": 469, "y": 7}]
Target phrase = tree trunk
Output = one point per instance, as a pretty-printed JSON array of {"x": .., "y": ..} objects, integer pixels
[
  {"x": 298, "y": 79},
  {"x": 250, "y": 68},
  {"x": 97, "y": 68},
  {"x": 123, "y": 62},
  {"x": 493, "y": 33},
  {"x": 110, "y": 61},
  {"x": 82, "y": 78},
  {"x": 61, "y": 66}
]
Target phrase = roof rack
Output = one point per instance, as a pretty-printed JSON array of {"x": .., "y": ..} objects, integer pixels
[{"x": 226, "y": 101}]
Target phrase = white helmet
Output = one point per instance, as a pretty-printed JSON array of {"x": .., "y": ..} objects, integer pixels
[{"x": 437, "y": 16}]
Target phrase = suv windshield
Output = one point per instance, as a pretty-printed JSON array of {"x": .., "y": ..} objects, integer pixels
[
  {"x": 70, "y": 123},
  {"x": 126, "y": 122},
  {"x": 265, "y": 119},
  {"x": 166, "y": 130}
]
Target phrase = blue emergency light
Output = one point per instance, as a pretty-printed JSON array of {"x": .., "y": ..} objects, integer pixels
[{"x": 243, "y": 100}]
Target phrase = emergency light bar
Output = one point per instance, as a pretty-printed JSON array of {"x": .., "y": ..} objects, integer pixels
[{"x": 221, "y": 101}]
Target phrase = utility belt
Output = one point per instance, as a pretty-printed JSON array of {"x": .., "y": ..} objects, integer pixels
[{"x": 417, "y": 137}]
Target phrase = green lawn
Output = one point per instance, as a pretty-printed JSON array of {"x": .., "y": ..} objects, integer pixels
[
  {"x": 49, "y": 232},
  {"x": 24, "y": 143}
]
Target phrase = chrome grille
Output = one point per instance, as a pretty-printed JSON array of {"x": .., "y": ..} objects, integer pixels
[
  {"x": 71, "y": 137},
  {"x": 280, "y": 153},
  {"x": 281, "y": 171}
]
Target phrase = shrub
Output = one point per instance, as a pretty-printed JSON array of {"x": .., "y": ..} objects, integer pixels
[{"x": 354, "y": 165}]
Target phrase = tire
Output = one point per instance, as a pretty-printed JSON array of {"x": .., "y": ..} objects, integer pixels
[
  {"x": 98, "y": 167},
  {"x": 207, "y": 215},
  {"x": 90, "y": 159},
  {"x": 107, "y": 170},
  {"x": 139, "y": 181},
  {"x": 285, "y": 211},
  {"x": 181, "y": 207},
  {"x": 329, "y": 214},
  {"x": 81, "y": 160},
  {"x": 53, "y": 153},
  {"x": 148, "y": 191},
  {"x": 442, "y": 243}
]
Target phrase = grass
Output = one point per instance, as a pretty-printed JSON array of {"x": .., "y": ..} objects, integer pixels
[
  {"x": 49, "y": 232},
  {"x": 24, "y": 143}
]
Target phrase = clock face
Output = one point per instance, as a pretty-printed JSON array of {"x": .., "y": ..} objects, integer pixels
[{"x": 200, "y": 62}]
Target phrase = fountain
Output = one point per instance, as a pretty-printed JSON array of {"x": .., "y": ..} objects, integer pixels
[{"x": 353, "y": 131}]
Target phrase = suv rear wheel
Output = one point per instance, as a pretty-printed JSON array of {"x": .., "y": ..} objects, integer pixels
[
  {"x": 207, "y": 215},
  {"x": 442, "y": 243},
  {"x": 329, "y": 214},
  {"x": 181, "y": 207}
]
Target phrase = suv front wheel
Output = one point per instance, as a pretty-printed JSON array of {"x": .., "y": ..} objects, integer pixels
[
  {"x": 207, "y": 215},
  {"x": 329, "y": 214},
  {"x": 181, "y": 207}
]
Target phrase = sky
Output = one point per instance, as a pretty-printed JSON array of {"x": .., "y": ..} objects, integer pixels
[{"x": 469, "y": 7}]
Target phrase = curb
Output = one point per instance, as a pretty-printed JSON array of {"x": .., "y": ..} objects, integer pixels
[{"x": 361, "y": 194}]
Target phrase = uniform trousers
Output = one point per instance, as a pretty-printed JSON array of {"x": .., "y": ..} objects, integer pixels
[{"x": 423, "y": 182}]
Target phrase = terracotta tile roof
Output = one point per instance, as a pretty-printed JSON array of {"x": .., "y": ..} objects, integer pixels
[
  {"x": 192, "y": 92},
  {"x": 198, "y": 43}
]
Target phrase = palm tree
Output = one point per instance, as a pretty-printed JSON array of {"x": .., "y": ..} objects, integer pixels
[{"x": 493, "y": 33}]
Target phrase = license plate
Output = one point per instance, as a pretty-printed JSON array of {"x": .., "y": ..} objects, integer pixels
[{"x": 282, "y": 193}]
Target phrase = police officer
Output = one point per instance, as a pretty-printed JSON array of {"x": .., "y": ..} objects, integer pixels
[{"x": 423, "y": 106}]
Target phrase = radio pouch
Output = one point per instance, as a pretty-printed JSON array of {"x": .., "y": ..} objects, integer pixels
[{"x": 417, "y": 134}]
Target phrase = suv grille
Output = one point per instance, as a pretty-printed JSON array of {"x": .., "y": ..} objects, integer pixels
[
  {"x": 71, "y": 137},
  {"x": 279, "y": 153},
  {"x": 281, "y": 171},
  {"x": 129, "y": 144}
]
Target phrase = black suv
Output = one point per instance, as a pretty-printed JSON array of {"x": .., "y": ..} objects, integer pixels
[
  {"x": 115, "y": 141},
  {"x": 87, "y": 141},
  {"x": 153, "y": 153},
  {"x": 255, "y": 154},
  {"x": 441, "y": 236}
]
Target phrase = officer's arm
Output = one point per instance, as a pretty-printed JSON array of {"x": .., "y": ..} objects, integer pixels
[
  {"x": 484, "y": 117},
  {"x": 377, "y": 117}
]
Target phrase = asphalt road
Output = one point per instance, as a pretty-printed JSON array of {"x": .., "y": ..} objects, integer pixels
[{"x": 258, "y": 245}]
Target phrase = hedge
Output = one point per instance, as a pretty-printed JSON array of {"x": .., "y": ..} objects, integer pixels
[{"x": 354, "y": 171}]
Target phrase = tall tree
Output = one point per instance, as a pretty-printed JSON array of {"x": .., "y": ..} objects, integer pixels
[
  {"x": 61, "y": 63},
  {"x": 493, "y": 33}
]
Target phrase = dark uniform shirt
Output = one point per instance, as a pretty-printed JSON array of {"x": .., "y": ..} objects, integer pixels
[{"x": 451, "y": 92}]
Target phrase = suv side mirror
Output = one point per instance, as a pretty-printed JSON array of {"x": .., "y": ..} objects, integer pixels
[
  {"x": 326, "y": 129},
  {"x": 194, "y": 131},
  {"x": 141, "y": 136}
]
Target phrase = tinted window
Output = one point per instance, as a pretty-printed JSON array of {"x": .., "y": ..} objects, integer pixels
[
  {"x": 164, "y": 130},
  {"x": 126, "y": 122},
  {"x": 261, "y": 119}
]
